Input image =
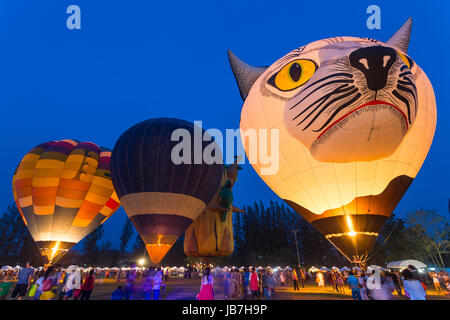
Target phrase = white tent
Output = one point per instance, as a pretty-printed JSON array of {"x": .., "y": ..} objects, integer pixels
[
  {"x": 17, "y": 267},
  {"x": 405, "y": 263},
  {"x": 7, "y": 268},
  {"x": 324, "y": 269},
  {"x": 313, "y": 269},
  {"x": 72, "y": 267},
  {"x": 115, "y": 269}
]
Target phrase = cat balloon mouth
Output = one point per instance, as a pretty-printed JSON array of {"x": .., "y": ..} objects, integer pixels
[{"x": 374, "y": 103}]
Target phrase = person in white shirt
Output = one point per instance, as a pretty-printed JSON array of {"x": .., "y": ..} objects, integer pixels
[
  {"x": 157, "y": 282},
  {"x": 73, "y": 282},
  {"x": 413, "y": 288}
]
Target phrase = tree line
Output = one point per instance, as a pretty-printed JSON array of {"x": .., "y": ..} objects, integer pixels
[{"x": 264, "y": 235}]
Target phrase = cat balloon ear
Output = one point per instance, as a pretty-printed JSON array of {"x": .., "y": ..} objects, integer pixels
[
  {"x": 245, "y": 74},
  {"x": 400, "y": 40}
]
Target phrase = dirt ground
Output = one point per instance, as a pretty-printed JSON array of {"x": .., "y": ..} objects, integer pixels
[{"x": 186, "y": 289}]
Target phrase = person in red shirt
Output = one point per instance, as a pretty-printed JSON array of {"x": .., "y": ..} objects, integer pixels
[
  {"x": 254, "y": 284},
  {"x": 88, "y": 285}
]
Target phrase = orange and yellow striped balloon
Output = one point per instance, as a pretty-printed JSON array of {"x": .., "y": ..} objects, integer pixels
[{"x": 63, "y": 191}]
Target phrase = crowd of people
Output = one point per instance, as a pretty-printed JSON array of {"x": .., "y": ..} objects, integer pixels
[
  {"x": 50, "y": 283},
  {"x": 55, "y": 283},
  {"x": 364, "y": 284}
]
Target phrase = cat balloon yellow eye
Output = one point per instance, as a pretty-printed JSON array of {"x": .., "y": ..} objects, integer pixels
[
  {"x": 293, "y": 75},
  {"x": 405, "y": 59}
]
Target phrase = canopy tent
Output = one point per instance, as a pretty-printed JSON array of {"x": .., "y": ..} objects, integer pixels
[
  {"x": 313, "y": 269},
  {"x": 324, "y": 269},
  {"x": 405, "y": 263},
  {"x": 72, "y": 267},
  {"x": 345, "y": 269},
  {"x": 7, "y": 268},
  {"x": 17, "y": 267},
  {"x": 334, "y": 268},
  {"x": 115, "y": 269}
]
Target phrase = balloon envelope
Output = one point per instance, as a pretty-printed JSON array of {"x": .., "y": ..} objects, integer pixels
[
  {"x": 347, "y": 153},
  {"x": 160, "y": 197},
  {"x": 63, "y": 191}
]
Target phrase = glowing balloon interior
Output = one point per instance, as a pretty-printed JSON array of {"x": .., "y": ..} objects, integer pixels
[
  {"x": 356, "y": 119},
  {"x": 63, "y": 191}
]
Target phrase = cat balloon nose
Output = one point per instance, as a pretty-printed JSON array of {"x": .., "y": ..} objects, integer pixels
[{"x": 374, "y": 62}]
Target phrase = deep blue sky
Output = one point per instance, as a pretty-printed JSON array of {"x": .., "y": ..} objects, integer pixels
[{"x": 134, "y": 60}]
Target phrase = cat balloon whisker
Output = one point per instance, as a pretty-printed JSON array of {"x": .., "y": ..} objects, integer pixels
[
  {"x": 318, "y": 88},
  {"x": 340, "y": 89},
  {"x": 345, "y": 105},
  {"x": 405, "y": 101},
  {"x": 331, "y": 102}
]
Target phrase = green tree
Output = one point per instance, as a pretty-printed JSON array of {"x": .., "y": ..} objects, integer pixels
[
  {"x": 127, "y": 232},
  {"x": 91, "y": 247},
  {"x": 16, "y": 245},
  {"x": 433, "y": 231},
  {"x": 139, "y": 245}
]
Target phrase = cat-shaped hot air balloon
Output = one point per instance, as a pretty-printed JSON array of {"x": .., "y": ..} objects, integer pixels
[{"x": 356, "y": 118}]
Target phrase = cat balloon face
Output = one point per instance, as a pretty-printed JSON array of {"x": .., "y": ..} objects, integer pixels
[
  {"x": 360, "y": 94},
  {"x": 356, "y": 118}
]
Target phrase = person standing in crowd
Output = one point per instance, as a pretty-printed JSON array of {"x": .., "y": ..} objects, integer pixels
[
  {"x": 340, "y": 282},
  {"x": 333, "y": 280},
  {"x": 363, "y": 291},
  {"x": 33, "y": 288},
  {"x": 302, "y": 277},
  {"x": 413, "y": 288},
  {"x": 49, "y": 285},
  {"x": 283, "y": 278},
  {"x": 207, "y": 286},
  {"x": 245, "y": 281},
  {"x": 389, "y": 284},
  {"x": 157, "y": 282},
  {"x": 353, "y": 282},
  {"x": 295, "y": 279},
  {"x": 166, "y": 274},
  {"x": 272, "y": 283},
  {"x": 40, "y": 279},
  {"x": 254, "y": 284},
  {"x": 129, "y": 288},
  {"x": 88, "y": 285},
  {"x": 23, "y": 281},
  {"x": 396, "y": 281},
  {"x": 73, "y": 283},
  {"x": 227, "y": 284},
  {"x": 320, "y": 280},
  {"x": 436, "y": 282},
  {"x": 58, "y": 276},
  {"x": 265, "y": 284},
  {"x": 147, "y": 286},
  {"x": 376, "y": 285}
]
